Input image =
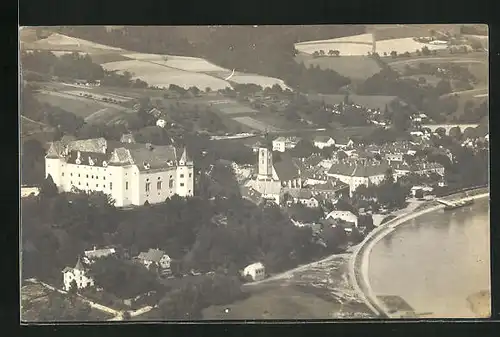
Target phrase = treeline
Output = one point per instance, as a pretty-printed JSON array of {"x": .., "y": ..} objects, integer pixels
[
  {"x": 74, "y": 66},
  {"x": 265, "y": 50}
]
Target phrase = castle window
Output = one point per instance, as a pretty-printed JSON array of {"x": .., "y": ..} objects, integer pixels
[
  {"x": 170, "y": 183},
  {"x": 87, "y": 175},
  {"x": 126, "y": 185},
  {"x": 148, "y": 186},
  {"x": 158, "y": 185},
  {"x": 190, "y": 175},
  {"x": 96, "y": 177},
  {"x": 92, "y": 177},
  {"x": 71, "y": 174},
  {"x": 96, "y": 185},
  {"x": 62, "y": 174},
  {"x": 182, "y": 175},
  {"x": 104, "y": 178},
  {"x": 110, "y": 186},
  {"x": 182, "y": 184},
  {"x": 78, "y": 174}
]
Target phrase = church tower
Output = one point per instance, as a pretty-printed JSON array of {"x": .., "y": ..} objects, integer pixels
[{"x": 265, "y": 163}]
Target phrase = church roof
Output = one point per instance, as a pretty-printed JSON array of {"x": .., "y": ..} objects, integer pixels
[{"x": 79, "y": 265}]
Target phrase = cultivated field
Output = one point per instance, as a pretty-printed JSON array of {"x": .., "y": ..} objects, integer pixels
[
  {"x": 388, "y": 32},
  {"x": 156, "y": 70},
  {"x": 67, "y": 43},
  {"x": 353, "y": 67},
  {"x": 80, "y": 107},
  {"x": 162, "y": 76},
  {"x": 193, "y": 64},
  {"x": 263, "y": 81},
  {"x": 256, "y": 124},
  {"x": 363, "y": 44}
]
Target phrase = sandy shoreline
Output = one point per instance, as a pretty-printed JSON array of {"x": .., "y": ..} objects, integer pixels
[{"x": 359, "y": 264}]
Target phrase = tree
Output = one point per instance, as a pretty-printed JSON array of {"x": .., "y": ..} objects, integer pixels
[
  {"x": 443, "y": 87},
  {"x": 316, "y": 54},
  {"x": 394, "y": 54},
  {"x": 330, "y": 52},
  {"x": 440, "y": 131},
  {"x": 426, "y": 51},
  {"x": 456, "y": 133},
  {"x": 336, "y": 53},
  {"x": 322, "y": 52},
  {"x": 48, "y": 189}
]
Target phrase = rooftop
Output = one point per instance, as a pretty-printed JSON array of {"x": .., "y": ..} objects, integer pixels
[{"x": 153, "y": 255}]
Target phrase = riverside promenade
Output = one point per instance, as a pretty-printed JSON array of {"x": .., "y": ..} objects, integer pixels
[{"x": 359, "y": 263}]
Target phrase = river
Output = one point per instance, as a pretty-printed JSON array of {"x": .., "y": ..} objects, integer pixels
[{"x": 434, "y": 262}]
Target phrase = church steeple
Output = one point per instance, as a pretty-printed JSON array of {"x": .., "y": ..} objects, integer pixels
[{"x": 79, "y": 265}]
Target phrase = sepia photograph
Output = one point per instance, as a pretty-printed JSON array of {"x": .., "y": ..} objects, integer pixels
[{"x": 257, "y": 173}]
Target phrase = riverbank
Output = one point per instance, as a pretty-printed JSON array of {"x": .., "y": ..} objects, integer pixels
[{"x": 359, "y": 262}]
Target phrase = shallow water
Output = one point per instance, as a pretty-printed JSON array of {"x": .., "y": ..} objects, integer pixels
[{"x": 436, "y": 261}]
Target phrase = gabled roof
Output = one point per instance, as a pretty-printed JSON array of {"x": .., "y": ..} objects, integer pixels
[
  {"x": 79, "y": 265},
  {"x": 97, "y": 253},
  {"x": 153, "y": 255},
  {"x": 322, "y": 139}
]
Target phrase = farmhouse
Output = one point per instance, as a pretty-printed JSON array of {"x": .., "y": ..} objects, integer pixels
[
  {"x": 132, "y": 174},
  {"x": 323, "y": 141},
  {"x": 79, "y": 274},
  {"x": 155, "y": 258},
  {"x": 256, "y": 271},
  {"x": 359, "y": 173},
  {"x": 302, "y": 196},
  {"x": 91, "y": 255},
  {"x": 343, "y": 215},
  {"x": 281, "y": 144}
]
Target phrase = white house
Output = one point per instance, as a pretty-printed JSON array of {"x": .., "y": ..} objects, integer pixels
[
  {"x": 131, "y": 173},
  {"x": 155, "y": 257},
  {"x": 323, "y": 141},
  {"x": 256, "y": 271},
  {"x": 91, "y": 255},
  {"x": 79, "y": 274},
  {"x": 281, "y": 144},
  {"x": 343, "y": 215},
  {"x": 161, "y": 123},
  {"x": 357, "y": 173},
  {"x": 28, "y": 191}
]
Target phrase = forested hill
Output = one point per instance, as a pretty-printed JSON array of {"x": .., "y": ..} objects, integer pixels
[{"x": 264, "y": 50}]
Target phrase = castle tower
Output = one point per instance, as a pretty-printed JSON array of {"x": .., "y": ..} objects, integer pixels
[{"x": 265, "y": 163}]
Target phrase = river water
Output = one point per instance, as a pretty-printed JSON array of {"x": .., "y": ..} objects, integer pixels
[{"x": 434, "y": 262}]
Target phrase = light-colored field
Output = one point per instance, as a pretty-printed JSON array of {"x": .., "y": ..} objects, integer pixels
[
  {"x": 163, "y": 76},
  {"x": 404, "y": 45},
  {"x": 361, "y": 45},
  {"x": 353, "y": 67},
  {"x": 59, "y": 41},
  {"x": 193, "y": 64},
  {"x": 362, "y": 38},
  {"x": 256, "y": 124},
  {"x": 107, "y": 116},
  {"x": 263, "y": 81},
  {"x": 345, "y": 49}
]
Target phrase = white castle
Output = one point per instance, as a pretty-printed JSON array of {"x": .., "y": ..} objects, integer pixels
[{"x": 131, "y": 173}]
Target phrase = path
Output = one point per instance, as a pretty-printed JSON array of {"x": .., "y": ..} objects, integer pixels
[
  {"x": 465, "y": 92},
  {"x": 444, "y": 59},
  {"x": 118, "y": 315},
  {"x": 33, "y": 121}
]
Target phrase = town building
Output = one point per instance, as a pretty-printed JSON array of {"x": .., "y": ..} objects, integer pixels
[
  {"x": 256, "y": 271},
  {"x": 276, "y": 171},
  {"x": 161, "y": 123},
  {"x": 79, "y": 274},
  {"x": 155, "y": 258},
  {"x": 323, "y": 141},
  {"x": 281, "y": 144},
  {"x": 359, "y": 173},
  {"x": 346, "y": 216},
  {"x": 90, "y": 256},
  {"x": 301, "y": 196},
  {"x": 131, "y": 173}
]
